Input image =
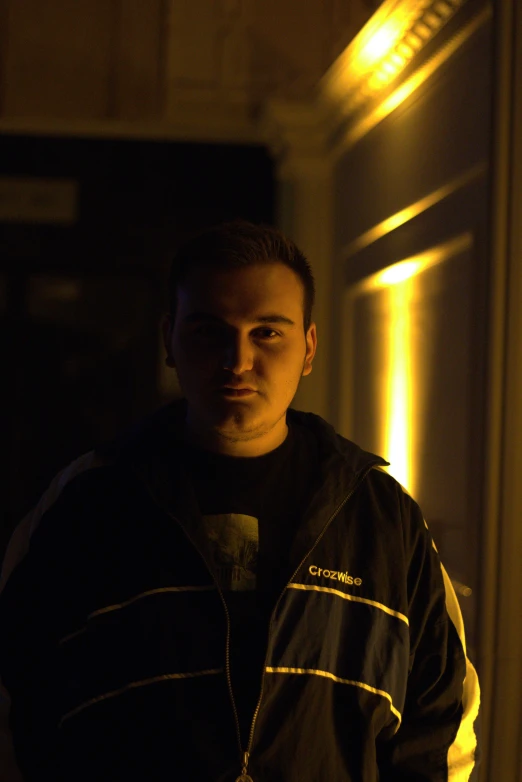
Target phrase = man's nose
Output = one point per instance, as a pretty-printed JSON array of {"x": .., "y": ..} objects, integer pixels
[{"x": 238, "y": 354}]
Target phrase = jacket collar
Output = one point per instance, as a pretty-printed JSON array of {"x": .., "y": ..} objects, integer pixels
[{"x": 146, "y": 450}]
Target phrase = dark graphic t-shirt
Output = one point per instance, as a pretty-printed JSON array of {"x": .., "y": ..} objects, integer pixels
[{"x": 251, "y": 509}]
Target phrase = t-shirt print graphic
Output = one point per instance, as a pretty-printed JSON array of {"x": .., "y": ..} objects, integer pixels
[{"x": 234, "y": 540}]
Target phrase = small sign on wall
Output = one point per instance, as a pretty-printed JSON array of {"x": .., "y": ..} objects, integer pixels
[{"x": 36, "y": 200}]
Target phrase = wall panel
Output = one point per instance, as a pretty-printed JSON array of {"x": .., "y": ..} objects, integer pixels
[{"x": 428, "y": 162}]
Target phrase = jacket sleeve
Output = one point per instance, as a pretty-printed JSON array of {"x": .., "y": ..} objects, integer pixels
[
  {"x": 15, "y": 553},
  {"x": 9, "y": 771},
  {"x": 436, "y": 739}
]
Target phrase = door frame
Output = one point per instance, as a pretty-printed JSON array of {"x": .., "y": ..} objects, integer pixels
[{"x": 501, "y": 626}]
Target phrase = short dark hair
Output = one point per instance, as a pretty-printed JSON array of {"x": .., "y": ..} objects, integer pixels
[{"x": 240, "y": 243}]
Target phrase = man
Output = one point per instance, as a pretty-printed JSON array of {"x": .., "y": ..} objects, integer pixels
[{"x": 232, "y": 590}]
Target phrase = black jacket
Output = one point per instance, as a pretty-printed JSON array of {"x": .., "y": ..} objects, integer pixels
[{"x": 124, "y": 657}]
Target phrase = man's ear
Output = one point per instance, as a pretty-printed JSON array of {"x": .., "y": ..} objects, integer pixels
[{"x": 166, "y": 329}]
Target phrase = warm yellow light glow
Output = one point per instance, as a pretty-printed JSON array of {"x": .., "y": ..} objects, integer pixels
[
  {"x": 399, "y": 272},
  {"x": 399, "y": 281},
  {"x": 410, "y": 267},
  {"x": 390, "y": 68},
  {"x": 397, "y": 59},
  {"x": 406, "y": 50},
  {"x": 406, "y": 89},
  {"x": 415, "y": 41},
  {"x": 379, "y": 44},
  {"x": 398, "y": 403},
  {"x": 376, "y": 81},
  {"x": 423, "y": 30},
  {"x": 414, "y": 210},
  {"x": 381, "y": 76}
]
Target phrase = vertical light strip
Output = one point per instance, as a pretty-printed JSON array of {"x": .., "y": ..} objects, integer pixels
[
  {"x": 397, "y": 429},
  {"x": 398, "y": 281}
]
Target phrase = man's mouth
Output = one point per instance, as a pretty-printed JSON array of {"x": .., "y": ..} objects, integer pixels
[{"x": 232, "y": 392}]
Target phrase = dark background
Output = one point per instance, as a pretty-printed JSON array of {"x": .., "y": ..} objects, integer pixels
[{"x": 81, "y": 304}]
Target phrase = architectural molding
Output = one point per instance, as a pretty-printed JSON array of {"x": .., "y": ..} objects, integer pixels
[
  {"x": 197, "y": 123},
  {"x": 225, "y": 72},
  {"x": 393, "y": 38},
  {"x": 376, "y": 109},
  {"x": 383, "y": 66},
  {"x": 297, "y": 133},
  {"x": 177, "y": 69}
]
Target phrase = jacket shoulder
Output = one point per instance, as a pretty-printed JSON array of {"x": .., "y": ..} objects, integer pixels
[{"x": 79, "y": 471}]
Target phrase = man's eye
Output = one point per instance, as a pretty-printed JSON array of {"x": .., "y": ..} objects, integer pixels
[
  {"x": 213, "y": 329},
  {"x": 271, "y": 331}
]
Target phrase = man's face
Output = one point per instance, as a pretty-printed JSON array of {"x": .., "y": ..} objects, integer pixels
[{"x": 227, "y": 344}]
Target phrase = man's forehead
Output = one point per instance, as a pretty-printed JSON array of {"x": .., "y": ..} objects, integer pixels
[
  {"x": 255, "y": 301},
  {"x": 267, "y": 271},
  {"x": 270, "y": 317}
]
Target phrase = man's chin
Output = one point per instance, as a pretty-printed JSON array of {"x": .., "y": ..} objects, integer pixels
[{"x": 222, "y": 414}]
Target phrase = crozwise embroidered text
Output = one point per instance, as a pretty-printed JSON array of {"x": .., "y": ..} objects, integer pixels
[{"x": 334, "y": 575}]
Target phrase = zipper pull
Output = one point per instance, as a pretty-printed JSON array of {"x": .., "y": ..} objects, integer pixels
[{"x": 244, "y": 776}]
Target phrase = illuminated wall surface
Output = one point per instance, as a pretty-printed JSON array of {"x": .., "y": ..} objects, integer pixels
[
  {"x": 405, "y": 342},
  {"x": 411, "y": 243},
  {"x": 412, "y": 396}
]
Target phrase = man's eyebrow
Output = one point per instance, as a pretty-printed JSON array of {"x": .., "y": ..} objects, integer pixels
[{"x": 195, "y": 317}]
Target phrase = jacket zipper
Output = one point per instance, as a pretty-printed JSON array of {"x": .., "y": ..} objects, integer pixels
[
  {"x": 227, "y": 646},
  {"x": 246, "y": 755}
]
